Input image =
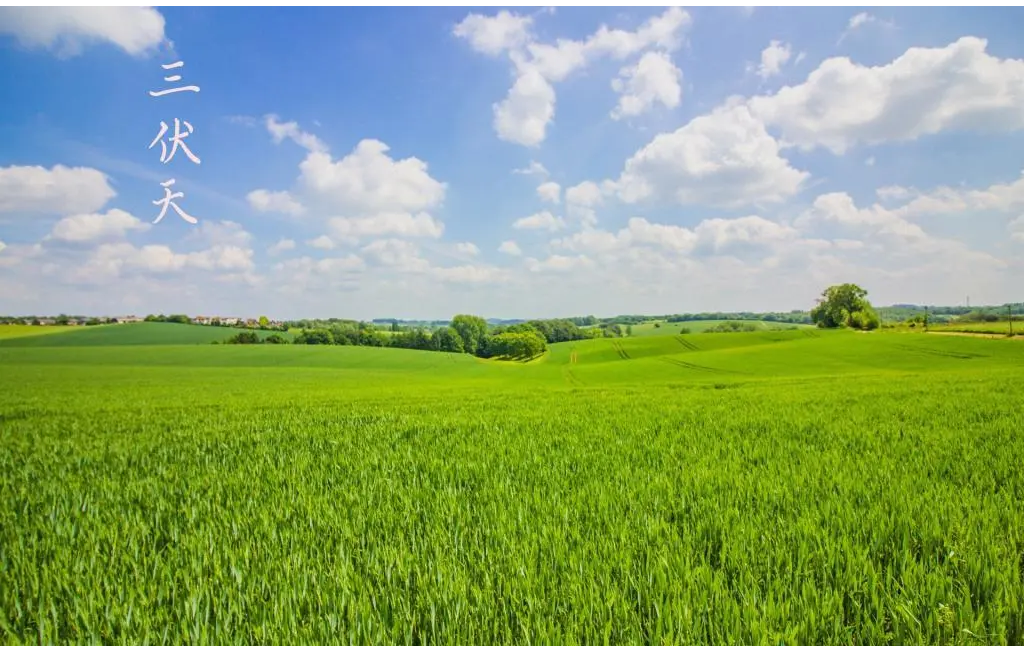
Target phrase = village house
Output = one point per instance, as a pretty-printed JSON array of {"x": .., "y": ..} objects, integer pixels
[
  {"x": 125, "y": 319},
  {"x": 202, "y": 319}
]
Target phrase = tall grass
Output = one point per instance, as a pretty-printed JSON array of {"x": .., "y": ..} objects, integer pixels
[{"x": 289, "y": 495}]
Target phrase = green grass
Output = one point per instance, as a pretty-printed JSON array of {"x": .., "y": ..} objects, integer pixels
[
  {"x": 139, "y": 333},
  {"x": 698, "y": 326},
  {"x": 20, "y": 331},
  {"x": 1000, "y": 327},
  {"x": 808, "y": 487}
]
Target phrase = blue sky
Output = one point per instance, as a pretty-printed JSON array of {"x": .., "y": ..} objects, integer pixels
[{"x": 510, "y": 162}]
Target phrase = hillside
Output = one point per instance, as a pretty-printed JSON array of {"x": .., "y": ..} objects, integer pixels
[{"x": 139, "y": 333}]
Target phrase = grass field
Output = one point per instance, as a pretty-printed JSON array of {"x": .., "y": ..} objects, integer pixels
[
  {"x": 1000, "y": 327},
  {"x": 138, "y": 333},
  {"x": 804, "y": 486},
  {"x": 19, "y": 331},
  {"x": 699, "y": 326}
]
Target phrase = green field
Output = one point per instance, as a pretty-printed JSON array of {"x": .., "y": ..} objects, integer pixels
[
  {"x": 19, "y": 331},
  {"x": 137, "y": 333},
  {"x": 812, "y": 487},
  {"x": 699, "y": 326},
  {"x": 1000, "y": 327}
]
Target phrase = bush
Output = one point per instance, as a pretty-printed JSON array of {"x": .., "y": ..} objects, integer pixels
[
  {"x": 244, "y": 338},
  {"x": 275, "y": 339}
]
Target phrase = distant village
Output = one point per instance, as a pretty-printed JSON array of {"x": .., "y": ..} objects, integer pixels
[{"x": 81, "y": 321}]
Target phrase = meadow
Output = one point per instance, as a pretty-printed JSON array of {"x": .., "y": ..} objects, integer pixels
[
  {"x": 663, "y": 328},
  {"x": 805, "y": 486}
]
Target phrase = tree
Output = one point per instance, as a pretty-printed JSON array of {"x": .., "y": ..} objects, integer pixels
[
  {"x": 845, "y": 305},
  {"x": 244, "y": 338},
  {"x": 264, "y": 321},
  {"x": 446, "y": 339},
  {"x": 471, "y": 329},
  {"x": 275, "y": 339}
]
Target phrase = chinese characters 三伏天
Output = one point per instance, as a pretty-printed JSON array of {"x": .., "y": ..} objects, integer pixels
[{"x": 177, "y": 142}]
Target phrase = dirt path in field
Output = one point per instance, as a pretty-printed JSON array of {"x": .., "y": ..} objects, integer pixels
[{"x": 976, "y": 335}]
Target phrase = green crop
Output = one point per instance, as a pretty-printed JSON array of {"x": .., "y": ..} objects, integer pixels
[{"x": 773, "y": 487}]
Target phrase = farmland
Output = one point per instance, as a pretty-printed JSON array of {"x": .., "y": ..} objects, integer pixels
[
  {"x": 804, "y": 486},
  {"x": 140, "y": 333},
  {"x": 662, "y": 328}
]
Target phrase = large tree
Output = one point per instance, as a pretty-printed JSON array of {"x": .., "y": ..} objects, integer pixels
[
  {"x": 472, "y": 329},
  {"x": 844, "y": 305}
]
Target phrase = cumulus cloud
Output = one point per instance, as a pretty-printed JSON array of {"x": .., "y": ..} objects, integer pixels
[
  {"x": 1015, "y": 228},
  {"x": 369, "y": 180},
  {"x": 323, "y": 242},
  {"x": 726, "y": 158},
  {"x": 262, "y": 200},
  {"x": 68, "y": 30},
  {"x": 280, "y": 130},
  {"x": 81, "y": 228},
  {"x": 401, "y": 224},
  {"x": 557, "y": 263},
  {"x": 510, "y": 248},
  {"x": 529, "y": 107},
  {"x": 283, "y": 245},
  {"x": 533, "y": 169},
  {"x": 59, "y": 190},
  {"x": 773, "y": 58},
  {"x": 540, "y": 221},
  {"x": 959, "y": 87},
  {"x": 523, "y": 116},
  {"x": 223, "y": 233},
  {"x": 493, "y": 35},
  {"x": 467, "y": 248},
  {"x": 110, "y": 260},
  {"x": 549, "y": 192},
  {"x": 653, "y": 80}
]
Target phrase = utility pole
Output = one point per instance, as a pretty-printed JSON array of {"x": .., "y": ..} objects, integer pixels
[{"x": 1009, "y": 312}]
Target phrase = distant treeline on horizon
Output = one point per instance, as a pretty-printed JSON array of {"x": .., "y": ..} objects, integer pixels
[{"x": 894, "y": 313}]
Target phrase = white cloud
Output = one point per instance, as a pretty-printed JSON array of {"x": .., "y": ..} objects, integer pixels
[
  {"x": 510, "y": 248},
  {"x": 557, "y": 263},
  {"x": 860, "y": 20},
  {"x": 323, "y": 242},
  {"x": 870, "y": 161},
  {"x": 222, "y": 233},
  {"x": 282, "y": 245},
  {"x": 401, "y": 224},
  {"x": 540, "y": 221},
  {"x": 581, "y": 199},
  {"x": 327, "y": 266},
  {"x": 773, "y": 58},
  {"x": 467, "y": 248},
  {"x": 68, "y": 30},
  {"x": 493, "y": 35},
  {"x": 93, "y": 227},
  {"x": 111, "y": 259},
  {"x": 280, "y": 130},
  {"x": 60, "y": 190},
  {"x": 398, "y": 254},
  {"x": 549, "y": 192},
  {"x": 726, "y": 158},
  {"x": 369, "y": 181},
  {"x": 469, "y": 274},
  {"x": 523, "y": 116},
  {"x": 654, "y": 79},
  {"x": 262, "y": 200},
  {"x": 2, "y": 246},
  {"x": 533, "y": 169},
  {"x": 711, "y": 236},
  {"x": 1015, "y": 228},
  {"x": 959, "y": 87}
]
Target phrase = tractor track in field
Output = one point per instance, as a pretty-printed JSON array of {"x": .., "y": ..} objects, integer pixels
[
  {"x": 571, "y": 378},
  {"x": 937, "y": 352},
  {"x": 623, "y": 354},
  {"x": 699, "y": 368},
  {"x": 686, "y": 343}
]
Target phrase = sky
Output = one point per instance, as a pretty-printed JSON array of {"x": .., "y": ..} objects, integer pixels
[{"x": 511, "y": 163}]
